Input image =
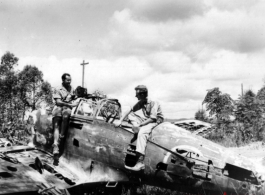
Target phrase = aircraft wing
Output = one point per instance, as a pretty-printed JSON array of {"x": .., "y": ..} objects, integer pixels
[{"x": 28, "y": 170}]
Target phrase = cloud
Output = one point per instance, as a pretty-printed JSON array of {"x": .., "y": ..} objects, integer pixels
[
  {"x": 161, "y": 11},
  {"x": 188, "y": 57},
  {"x": 177, "y": 110},
  {"x": 175, "y": 87},
  {"x": 167, "y": 62},
  {"x": 107, "y": 76},
  {"x": 66, "y": 29},
  {"x": 178, "y": 49},
  {"x": 180, "y": 91},
  {"x": 240, "y": 30},
  {"x": 233, "y": 5},
  {"x": 128, "y": 36}
]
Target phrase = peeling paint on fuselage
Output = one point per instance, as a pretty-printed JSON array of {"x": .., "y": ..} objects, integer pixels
[{"x": 218, "y": 154}]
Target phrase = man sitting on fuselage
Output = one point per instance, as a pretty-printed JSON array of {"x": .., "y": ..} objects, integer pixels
[
  {"x": 152, "y": 117},
  {"x": 63, "y": 97}
]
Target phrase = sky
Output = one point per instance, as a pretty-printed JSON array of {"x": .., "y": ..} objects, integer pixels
[{"x": 178, "y": 49}]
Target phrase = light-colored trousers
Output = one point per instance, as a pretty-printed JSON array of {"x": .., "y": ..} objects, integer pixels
[{"x": 144, "y": 132}]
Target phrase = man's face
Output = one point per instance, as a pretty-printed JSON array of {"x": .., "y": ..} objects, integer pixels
[
  {"x": 67, "y": 81},
  {"x": 137, "y": 95},
  {"x": 140, "y": 96}
]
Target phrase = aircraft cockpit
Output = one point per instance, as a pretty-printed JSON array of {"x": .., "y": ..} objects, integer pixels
[
  {"x": 105, "y": 109},
  {"x": 93, "y": 106},
  {"x": 109, "y": 110},
  {"x": 86, "y": 108}
]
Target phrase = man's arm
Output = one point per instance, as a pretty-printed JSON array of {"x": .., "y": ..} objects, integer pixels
[
  {"x": 118, "y": 123},
  {"x": 153, "y": 115},
  {"x": 57, "y": 96},
  {"x": 136, "y": 129},
  {"x": 59, "y": 102},
  {"x": 149, "y": 120}
]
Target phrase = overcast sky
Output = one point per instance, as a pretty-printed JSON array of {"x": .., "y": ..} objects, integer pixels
[{"x": 177, "y": 48}]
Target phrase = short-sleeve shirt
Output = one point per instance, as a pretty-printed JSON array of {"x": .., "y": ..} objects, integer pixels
[
  {"x": 151, "y": 109},
  {"x": 62, "y": 94},
  {"x": 65, "y": 96}
]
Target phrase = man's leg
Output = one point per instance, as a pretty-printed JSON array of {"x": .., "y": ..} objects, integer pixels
[
  {"x": 56, "y": 127},
  {"x": 143, "y": 136},
  {"x": 65, "y": 120}
]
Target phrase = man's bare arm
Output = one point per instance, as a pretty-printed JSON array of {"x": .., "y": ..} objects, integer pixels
[
  {"x": 61, "y": 103},
  {"x": 122, "y": 118},
  {"x": 118, "y": 123}
]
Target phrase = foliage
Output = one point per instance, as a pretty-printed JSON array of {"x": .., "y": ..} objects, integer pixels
[
  {"x": 201, "y": 115},
  {"x": 45, "y": 93},
  {"x": 20, "y": 90},
  {"x": 8, "y": 80},
  {"x": 249, "y": 115},
  {"x": 261, "y": 94},
  {"x": 225, "y": 134},
  {"x": 219, "y": 105},
  {"x": 33, "y": 90},
  {"x": 248, "y": 111},
  {"x": 8, "y": 61},
  {"x": 99, "y": 93}
]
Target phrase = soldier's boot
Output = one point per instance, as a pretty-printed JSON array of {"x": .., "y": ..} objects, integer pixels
[
  {"x": 55, "y": 153},
  {"x": 139, "y": 165}
]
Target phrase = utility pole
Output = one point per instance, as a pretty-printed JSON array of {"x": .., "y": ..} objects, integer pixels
[
  {"x": 83, "y": 64},
  {"x": 242, "y": 89}
]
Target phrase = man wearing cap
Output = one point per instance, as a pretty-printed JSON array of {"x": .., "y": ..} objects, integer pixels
[
  {"x": 143, "y": 125},
  {"x": 63, "y": 97}
]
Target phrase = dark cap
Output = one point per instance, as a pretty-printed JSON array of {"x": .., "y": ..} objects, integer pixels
[{"x": 141, "y": 88}]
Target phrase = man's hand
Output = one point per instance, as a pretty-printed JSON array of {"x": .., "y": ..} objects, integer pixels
[
  {"x": 67, "y": 104},
  {"x": 74, "y": 104},
  {"x": 117, "y": 123},
  {"x": 136, "y": 129}
]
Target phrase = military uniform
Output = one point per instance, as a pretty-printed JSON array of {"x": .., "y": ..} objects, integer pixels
[
  {"x": 151, "y": 109},
  {"x": 65, "y": 96}
]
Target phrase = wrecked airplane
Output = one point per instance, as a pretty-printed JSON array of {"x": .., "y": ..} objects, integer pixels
[
  {"x": 95, "y": 153},
  {"x": 195, "y": 126}
]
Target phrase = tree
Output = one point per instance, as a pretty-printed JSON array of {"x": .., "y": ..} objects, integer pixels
[
  {"x": 99, "y": 94},
  {"x": 201, "y": 115},
  {"x": 8, "y": 90},
  {"x": 261, "y": 94},
  {"x": 31, "y": 79},
  {"x": 8, "y": 61},
  {"x": 20, "y": 90},
  {"x": 34, "y": 92},
  {"x": 249, "y": 111},
  {"x": 261, "y": 97},
  {"x": 219, "y": 105},
  {"x": 45, "y": 94},
  {"x": 249, "y": 108}
]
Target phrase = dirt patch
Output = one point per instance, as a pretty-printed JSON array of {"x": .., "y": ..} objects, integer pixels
[{"x": 255, "y": 152}]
